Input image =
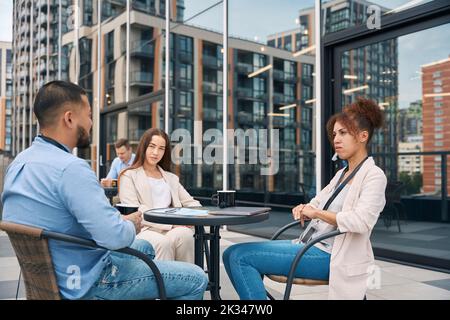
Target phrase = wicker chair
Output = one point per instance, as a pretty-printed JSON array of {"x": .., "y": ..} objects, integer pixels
[
  {"x": 31, "y": 247},
  {"x": 290, "y": 280}
]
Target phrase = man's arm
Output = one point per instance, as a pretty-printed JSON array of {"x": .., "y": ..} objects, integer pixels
[
  {"x": 85, "y": 199},
  {"x": 114, "y": 170}
]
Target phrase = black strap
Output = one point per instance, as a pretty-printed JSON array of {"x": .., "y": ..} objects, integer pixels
[
  {"x": 342, "y": 185},
  {"x": 53, "y": 142}
]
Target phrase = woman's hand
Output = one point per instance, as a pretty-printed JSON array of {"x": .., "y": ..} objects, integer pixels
[
  {"x": 298, "y": 215},
  {"x": 309, "y": 211},
  {"x": 297, "y": 210},
  {"x": 304, "y": 212}
]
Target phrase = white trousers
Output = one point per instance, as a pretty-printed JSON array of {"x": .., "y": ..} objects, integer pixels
[{"x": 175, "y": 244}]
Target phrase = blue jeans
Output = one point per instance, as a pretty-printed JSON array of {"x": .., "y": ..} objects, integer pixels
[
  {"x": 246, "y": 262},
  {"x": 126, "y": 277}
]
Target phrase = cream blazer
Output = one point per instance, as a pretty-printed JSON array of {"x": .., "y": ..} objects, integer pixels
[
  {"x": 134, "y": 188},
  {"x": 352, "y": 255}
]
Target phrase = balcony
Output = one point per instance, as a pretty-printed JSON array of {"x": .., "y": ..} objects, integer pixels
[
  {"x": 24, "y": 44},
  {"x": 141, "y": 7},
  {"x": 24, "y": 29},
  {"x": 280, "y": 98},
  {"x": 244, "y": 93},
  {"x": 244, "y": 68},
  {"x": 142, "y": 48},
  {"x": 41, "y": 52},
  {"x": 278, "y": 75},
  {"x": 140, "y": 78},
  {"x": 210, "y": 115},
  {"x": 24, "y": 14},
  {"x": 185, "y": 56},
  {"x": 244, "y": 118},
  {"x": 278, "y": 121},
  {"x": 212, "y": 62},
  {"x": 42, "y": 19},
  {"x": 290, "y": 77},
  {"x": 43, "y": 36},
  {"x": 184, "y": 83},
  {"x": 42, "y": 67},
  {"x": 23, "y": 90},
  {"x": 212, "y": 87},
  {"x": 259, "y": 95}
]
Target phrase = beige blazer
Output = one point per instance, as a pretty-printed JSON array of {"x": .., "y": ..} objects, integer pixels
[
  {"x": 352, "y": 255},
  {"x": 135, "y": 189}
]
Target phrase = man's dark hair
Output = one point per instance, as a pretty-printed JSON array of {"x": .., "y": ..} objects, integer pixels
[
  {"x": 52, "y": 97},
  {"x": 122, "y": 142}
]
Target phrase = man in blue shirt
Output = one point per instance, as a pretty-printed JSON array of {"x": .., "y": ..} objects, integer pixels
[
  {"x": 124, "y": 159},
  {"x": 48, "y": 187}
]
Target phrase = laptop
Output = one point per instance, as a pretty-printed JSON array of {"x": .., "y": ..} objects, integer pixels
[{"x": 238, "y": 211}]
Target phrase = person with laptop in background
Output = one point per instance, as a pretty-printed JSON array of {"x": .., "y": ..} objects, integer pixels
[{"x": 124, "y": 159}]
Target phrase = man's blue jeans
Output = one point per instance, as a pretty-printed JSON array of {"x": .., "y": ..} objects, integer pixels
[
  {"x": 127, "y": 277},
  {"x": 246, "y": 262}
]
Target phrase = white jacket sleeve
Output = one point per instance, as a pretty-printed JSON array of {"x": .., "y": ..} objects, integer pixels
[
  {"x": 185, "y": 198},
  {"x": 364, "y": 215}
]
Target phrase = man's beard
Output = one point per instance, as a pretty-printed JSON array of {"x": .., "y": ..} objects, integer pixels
[{"x": 84, "y": 139}]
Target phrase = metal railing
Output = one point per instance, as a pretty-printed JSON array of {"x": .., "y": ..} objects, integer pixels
[{"x": 443, "y": 166}]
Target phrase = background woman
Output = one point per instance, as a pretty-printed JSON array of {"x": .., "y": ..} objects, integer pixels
[{"x": 149, "y": 184}]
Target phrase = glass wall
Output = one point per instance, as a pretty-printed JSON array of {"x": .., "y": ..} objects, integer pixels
[
  {"x": 273, "y": 91},
  {"x": 408, "y": 76},
  {"x": 338, "y": 15}
]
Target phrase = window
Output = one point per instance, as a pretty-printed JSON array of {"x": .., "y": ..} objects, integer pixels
[
  {"x": 259, "y": 60},
  {"x": 185, "y": 44},
  {"x": 438, "y": 112},
  {"x": 437, "y": 120},
  {"x": 438, "y": 104},
  {"x": 436, "y": 74},
  {"x": 439, "y": 143},
  {"x": 438, "y": 128},
  {"x": 287, "y": 42},
  {"x": 185, "y": 99},
  {"x": 438, "y": 135}
]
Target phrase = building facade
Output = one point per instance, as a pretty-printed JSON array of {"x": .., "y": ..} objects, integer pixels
[
  {"x": 410, "y": 121},
  {"x": 371, "y": 71},
  {"x": 5, "y": 95},
  {"x": 49, "y": 46},
  {"x": 436, "y": 127}
]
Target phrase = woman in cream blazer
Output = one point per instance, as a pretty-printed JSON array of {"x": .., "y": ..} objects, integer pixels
[
  {"x": 149, "y": 184},
  {"x": 345, "y": 260}
]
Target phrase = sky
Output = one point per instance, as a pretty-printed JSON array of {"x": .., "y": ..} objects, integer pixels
[
  {"x": 248, "y": 18},
  {"x": 6, "y": 9}
]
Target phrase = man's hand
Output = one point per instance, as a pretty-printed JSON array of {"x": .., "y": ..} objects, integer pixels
[
  {"x": 106, "y": 183},
  {"x": 136, "y": 218}
]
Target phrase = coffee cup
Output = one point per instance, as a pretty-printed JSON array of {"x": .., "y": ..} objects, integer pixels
[
  {"x": 126, "y": 209},
  {"x": 224, "y": 198}
]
